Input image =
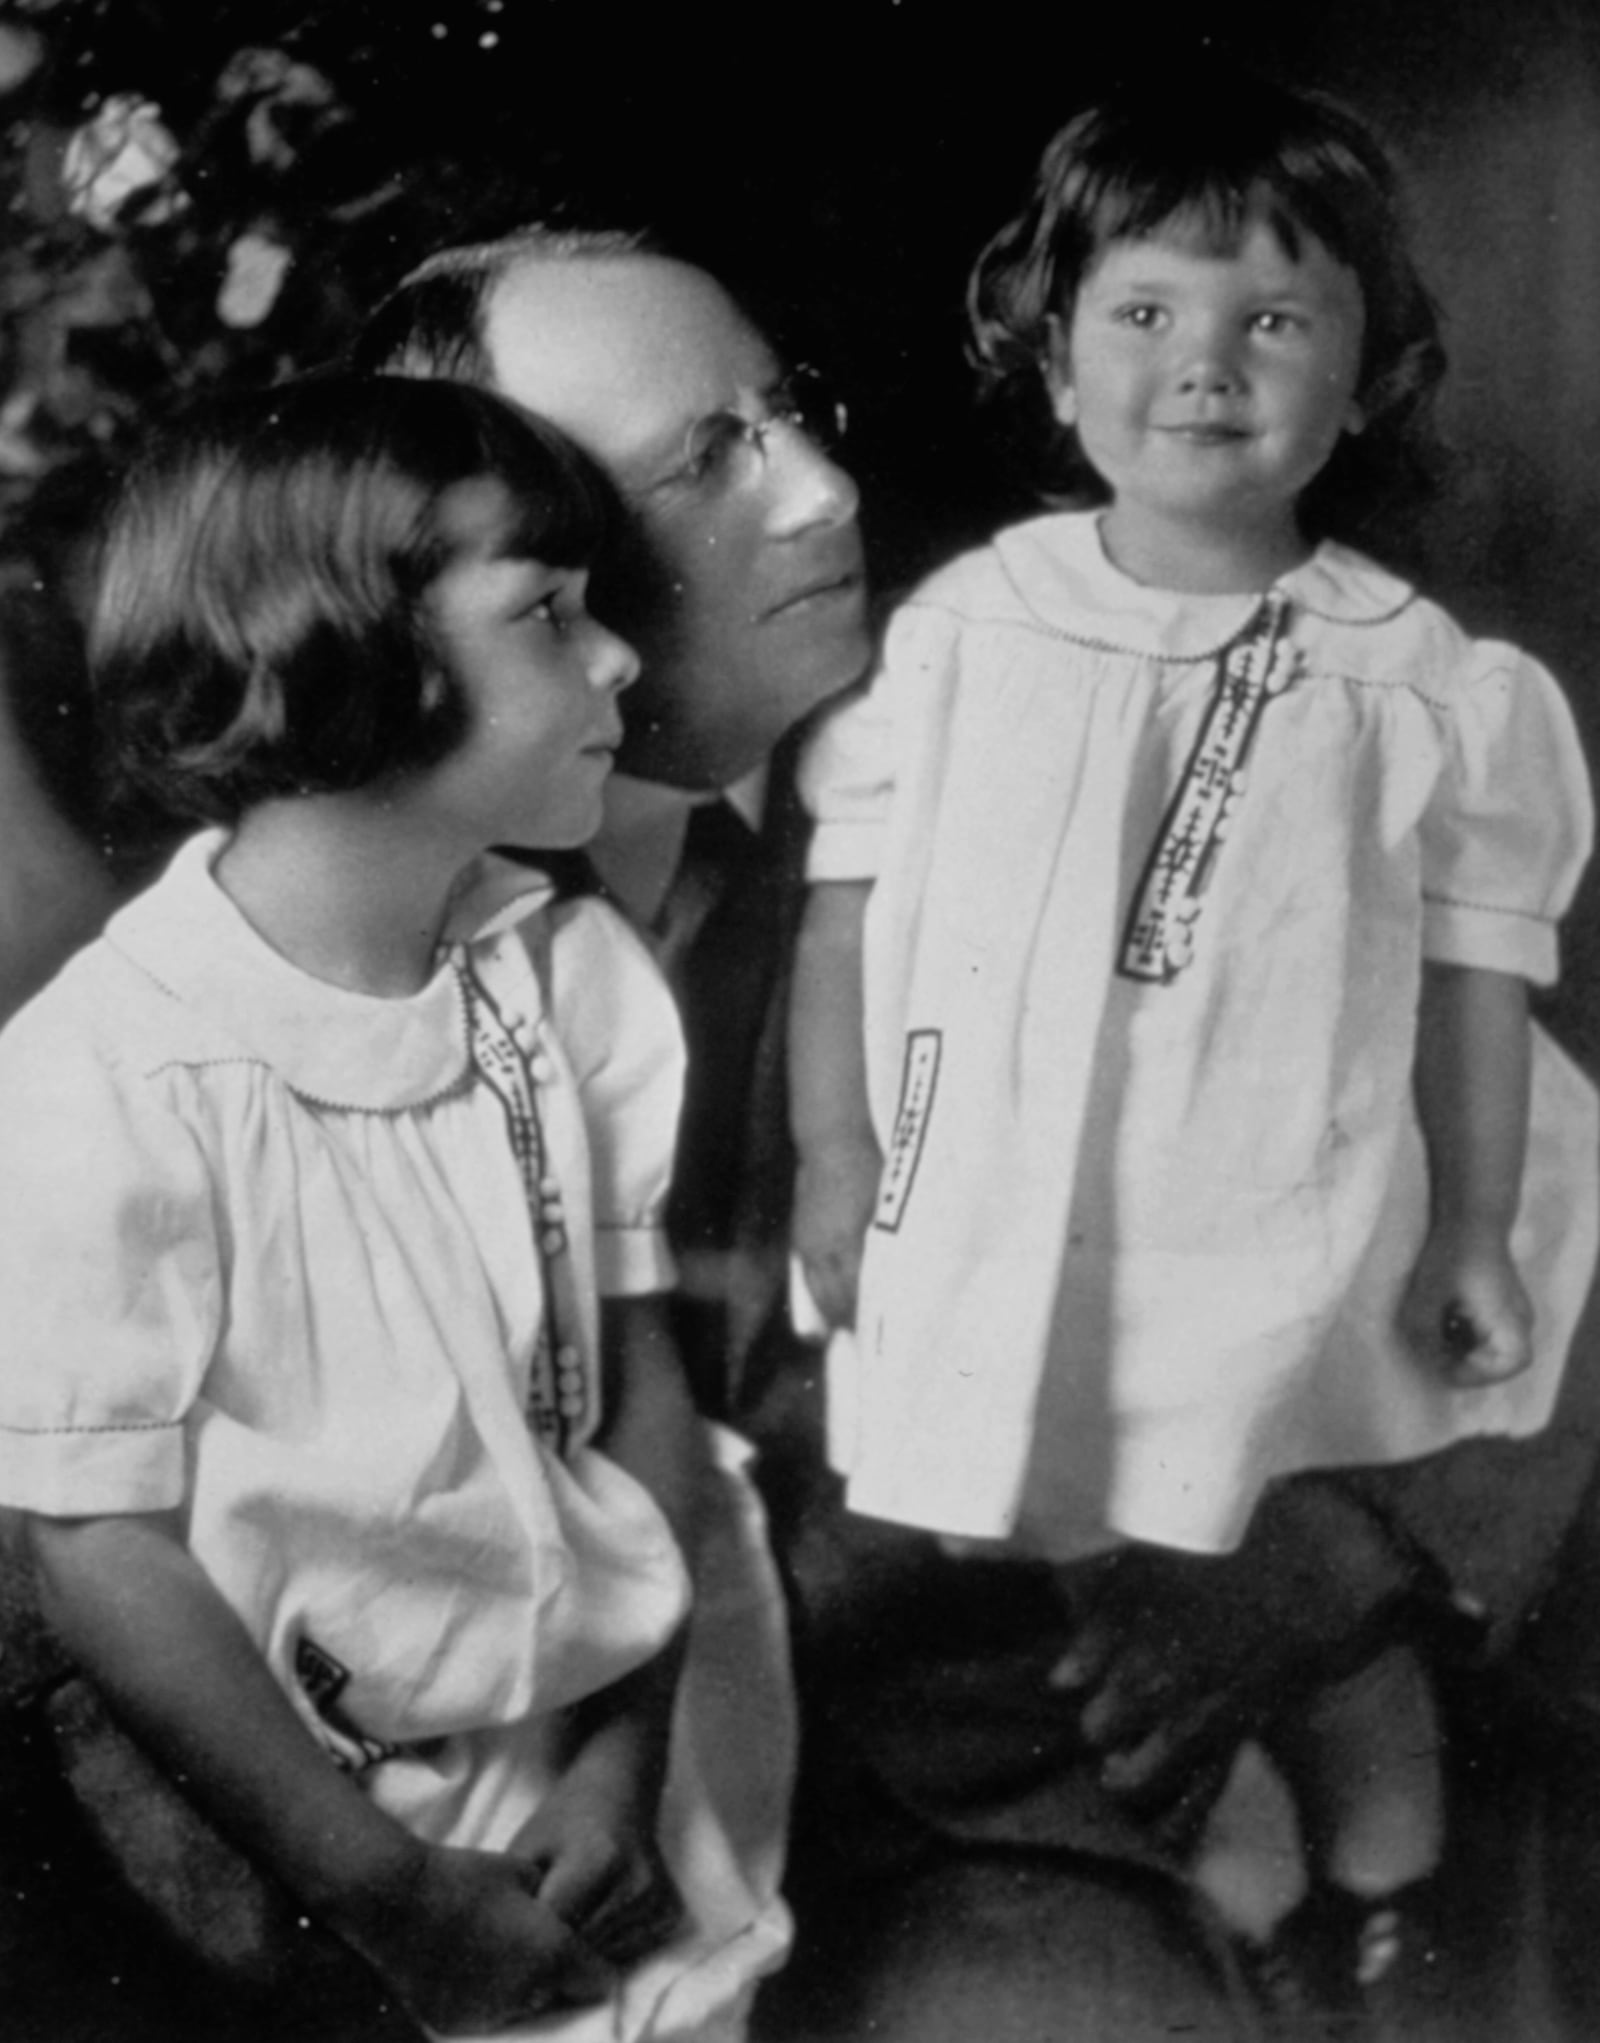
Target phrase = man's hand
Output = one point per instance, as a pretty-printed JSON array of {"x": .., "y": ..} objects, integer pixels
[{"x": 1178, "y": 1656}]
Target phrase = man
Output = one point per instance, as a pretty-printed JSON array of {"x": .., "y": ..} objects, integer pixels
[
  {"x": 741, "y": 577},
  {"x": 741, "y": 586}
]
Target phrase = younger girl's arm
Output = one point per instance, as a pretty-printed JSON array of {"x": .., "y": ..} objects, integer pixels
[
  {"x": 596, "y": 1832},
  {"x": 462, "y": 1936},
  {"x": 1465, "y": 1307},
  {"x": 839, "y": 1159}
]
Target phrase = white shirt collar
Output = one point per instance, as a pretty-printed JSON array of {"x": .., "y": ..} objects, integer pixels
[{"x": 640, "y": 842}]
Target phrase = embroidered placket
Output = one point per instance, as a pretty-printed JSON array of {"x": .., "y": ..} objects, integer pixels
[
  {"x": 1158, "y": 941},
  {"x": 558, "y": 1383}
]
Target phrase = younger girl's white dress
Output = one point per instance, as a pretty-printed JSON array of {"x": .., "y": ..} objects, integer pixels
[
  {"x": 1155, "y": 877},
  {"x": 269, "y": 1256}
]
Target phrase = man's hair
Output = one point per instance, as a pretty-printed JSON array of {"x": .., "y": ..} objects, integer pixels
[
  {"x": 1221, "y": 148},
  {"x": 260, "y": 623},
  {"x": 432, "y": 323}
]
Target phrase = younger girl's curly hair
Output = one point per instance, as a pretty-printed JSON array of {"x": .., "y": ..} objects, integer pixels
[{"x": 1221, "y": 153}]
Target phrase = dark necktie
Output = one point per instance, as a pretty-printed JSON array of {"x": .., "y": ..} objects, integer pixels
[{"x": 717, "y": 848}]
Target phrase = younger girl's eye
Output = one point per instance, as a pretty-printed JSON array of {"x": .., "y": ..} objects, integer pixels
[
  {"x": 1274, "y": 322},
  {"x": 1142, "y": 317}
]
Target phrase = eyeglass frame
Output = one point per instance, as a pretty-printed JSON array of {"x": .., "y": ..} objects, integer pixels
[{"x": 721, "y": 433}]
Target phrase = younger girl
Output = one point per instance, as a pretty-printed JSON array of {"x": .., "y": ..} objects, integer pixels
[
  {"x": 1208, "y": 864},
  {"x": 363, "y": 1512}
]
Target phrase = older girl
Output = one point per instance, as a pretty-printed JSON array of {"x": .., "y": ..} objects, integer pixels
[{"x": 338, "y": 1387}]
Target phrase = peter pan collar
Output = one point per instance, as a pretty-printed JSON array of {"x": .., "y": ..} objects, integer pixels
[
  {"x": 339, "y": 1048},
  {"x": 1058, "y": 568}
]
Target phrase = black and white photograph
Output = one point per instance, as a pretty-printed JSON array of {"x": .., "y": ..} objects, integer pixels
[{"x": 799, "y": 1022}]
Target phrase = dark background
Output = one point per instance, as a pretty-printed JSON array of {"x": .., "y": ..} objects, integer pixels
[{"x": 840, "y": 166}]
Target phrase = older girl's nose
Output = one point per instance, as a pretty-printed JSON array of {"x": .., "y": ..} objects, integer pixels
[{"x": 613, "y": 663}]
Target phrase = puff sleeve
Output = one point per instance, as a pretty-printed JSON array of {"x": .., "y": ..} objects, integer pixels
[
  {"x": 1508, "y": 831},
  {"x": 618, "y": 1026},
  {"x": 110, "y": 1286},
  {"x": 847, "y": 780}
]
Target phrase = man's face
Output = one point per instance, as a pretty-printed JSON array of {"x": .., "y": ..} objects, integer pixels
[{"x": 753, "y": 603}]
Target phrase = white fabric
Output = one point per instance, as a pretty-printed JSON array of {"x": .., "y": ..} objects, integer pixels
[
  {"x": 265, "y": 1253},
  {"x": 1140, "y": 1244}
]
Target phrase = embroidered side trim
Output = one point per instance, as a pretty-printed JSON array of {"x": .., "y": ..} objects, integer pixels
[
  {"x": 919, "y": 1079},
  {"x": 74, "y": 1432},
  {"x": 558, "y": 1383},
  {"x": 1489, "y": 908},
  {"x": 1158, "y": 941}
]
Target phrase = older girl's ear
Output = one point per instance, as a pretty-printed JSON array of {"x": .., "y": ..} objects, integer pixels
[{"x": 1058, "y": 370}]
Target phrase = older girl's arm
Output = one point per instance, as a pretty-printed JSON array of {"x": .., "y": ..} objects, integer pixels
[
  {"x": 597, "y": 1830},
  {"x": 460, "y": 1935}
]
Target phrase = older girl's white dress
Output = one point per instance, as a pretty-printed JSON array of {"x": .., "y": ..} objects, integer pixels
[
  {"x": 1155, "y": 878},
  {"x": 320, "y": 1271}
]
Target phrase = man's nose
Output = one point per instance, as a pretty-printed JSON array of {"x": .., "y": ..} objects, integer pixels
[{"x": 807, "y": 486}]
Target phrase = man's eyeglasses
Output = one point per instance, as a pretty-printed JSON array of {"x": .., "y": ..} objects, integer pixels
[{"x": 717, "y": 447}]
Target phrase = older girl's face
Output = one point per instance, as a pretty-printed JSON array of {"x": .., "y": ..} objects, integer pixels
[
  {"x": 540, "y": 678},
  {"x": 1208, "y": 389}
]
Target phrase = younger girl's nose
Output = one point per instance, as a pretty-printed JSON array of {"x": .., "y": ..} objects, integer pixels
[{"x": 1210, "y": 370}]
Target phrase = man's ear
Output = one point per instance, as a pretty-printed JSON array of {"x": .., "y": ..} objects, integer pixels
[{"x": 1058, "y": 370}]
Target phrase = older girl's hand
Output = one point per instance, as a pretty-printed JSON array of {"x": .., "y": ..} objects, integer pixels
[
  {"x": 594, "y": 1841},
  {"x": 470, "y": 1944}
]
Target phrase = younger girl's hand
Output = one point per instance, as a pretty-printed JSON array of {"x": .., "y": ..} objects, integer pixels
[
  {"x": 836, "y": 1191},
  {"x": 471, "y": 1945},
  {"x": 1465, "y": 1309}
]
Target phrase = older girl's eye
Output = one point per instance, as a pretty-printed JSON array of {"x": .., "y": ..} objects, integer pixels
[
  {"x": 1142, "y": 317},
  {"x": 546, "y": 611},
  {"x": 1274, "y": 322}
]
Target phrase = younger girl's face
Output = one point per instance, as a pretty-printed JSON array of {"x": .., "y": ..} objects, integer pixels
[
  {"x": 1208, "y": 389},
  {"x": 541, "y": 679}
]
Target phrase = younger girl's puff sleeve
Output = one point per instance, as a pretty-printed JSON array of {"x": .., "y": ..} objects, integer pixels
[
  {"x": 1509, "y": 829},
  {"x": 109, "y": 1281},
  {"x": 847, "y": 772},
  {"x": 619, "y": 1028}
]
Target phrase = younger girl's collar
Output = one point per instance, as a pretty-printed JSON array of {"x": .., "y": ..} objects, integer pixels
[{"x": 1059, "y": 569}]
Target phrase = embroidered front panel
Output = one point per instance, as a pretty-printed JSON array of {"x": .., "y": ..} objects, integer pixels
[
  {"x": 1259, "y": 664},
  {"x": 558, "y": 1386}
]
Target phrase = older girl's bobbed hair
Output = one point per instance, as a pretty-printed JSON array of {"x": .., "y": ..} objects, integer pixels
[
  {"x": 1219, "y": 149},
  {"x": 260, "y": 625}
]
